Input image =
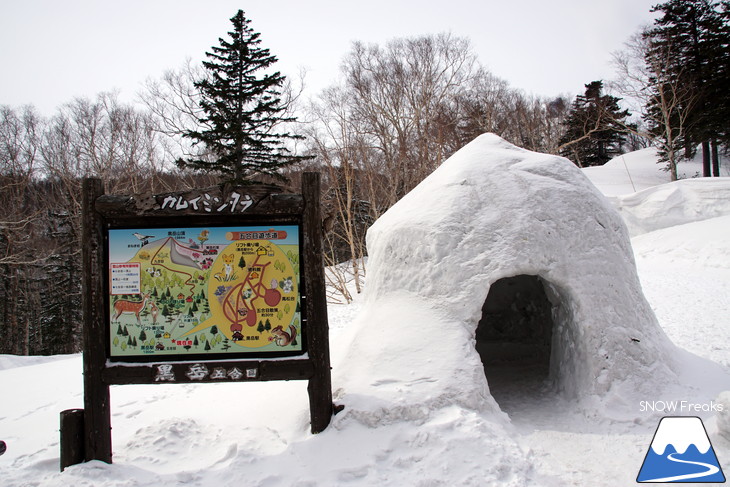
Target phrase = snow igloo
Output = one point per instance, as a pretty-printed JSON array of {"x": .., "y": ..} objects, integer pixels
[{"x": 504, "y": 265}]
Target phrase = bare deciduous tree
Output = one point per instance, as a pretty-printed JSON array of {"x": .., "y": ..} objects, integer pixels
[{"x": 664, "y": 101}]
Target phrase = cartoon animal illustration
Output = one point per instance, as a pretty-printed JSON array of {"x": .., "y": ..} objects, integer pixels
[
  {"x": 144, "y": 239},
  {"x": 287, "y": 285},
  {"x": 227, "y": 267},
  {"x": 228, "y": 260},
  {"x": 154, "y": 311},
  {"x": 127, "y": 306},
  {"x": 282, "y": 338}
]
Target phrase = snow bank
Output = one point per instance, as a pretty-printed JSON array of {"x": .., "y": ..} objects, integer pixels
[
  {"x": 492, "y": 211},
  {"x": 723, "y": 417},
  {"x": 628, "y": 173},
  {"x": 675, "y": 203},
  {"x": 711, "y": 238},
  {"x": 13, "y": 361},
  {"x": 640, "y": 189},
  {"x": 639, "y": 170}
]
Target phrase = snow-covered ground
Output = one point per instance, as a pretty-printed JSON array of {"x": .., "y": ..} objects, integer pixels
[{"x": 257, "y": 434}]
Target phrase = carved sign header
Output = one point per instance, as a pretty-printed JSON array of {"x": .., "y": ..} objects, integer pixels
[{"x": 215, "y": 200}]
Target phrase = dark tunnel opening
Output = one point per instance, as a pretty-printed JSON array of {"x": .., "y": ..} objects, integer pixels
[{"x": 514, "y": 338}]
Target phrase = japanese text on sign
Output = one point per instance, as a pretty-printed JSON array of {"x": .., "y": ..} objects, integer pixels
[
  {"x": 125, "y": 278},
  {"x": 205, "y": 202}
]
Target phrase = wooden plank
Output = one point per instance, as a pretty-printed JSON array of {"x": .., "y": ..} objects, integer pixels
[
  {"x": 72, "y": 437},
  {"x": 209, "y": 372},
  {"x": 97, "y": 424},
  {"x": 320, "y": 385}
]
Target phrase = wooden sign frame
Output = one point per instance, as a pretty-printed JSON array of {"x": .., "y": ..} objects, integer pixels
[{"x": 256, "y": 205}]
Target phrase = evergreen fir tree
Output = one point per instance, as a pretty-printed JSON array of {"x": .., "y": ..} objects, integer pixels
[
  {"x": 243, "y": 107},
  {"x": 595, "y": 128},
  {"x": 692, "y": 38}
]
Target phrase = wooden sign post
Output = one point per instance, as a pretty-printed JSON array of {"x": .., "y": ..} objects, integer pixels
[{"x": 223, "y": 284}]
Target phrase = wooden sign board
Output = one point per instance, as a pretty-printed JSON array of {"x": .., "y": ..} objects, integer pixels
[{"x": 210, "y": 285}]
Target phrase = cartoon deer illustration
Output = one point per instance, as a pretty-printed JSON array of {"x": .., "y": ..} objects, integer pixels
[
  {"x": 126, "y": 306},
  {"x": 154, "y": 311}
]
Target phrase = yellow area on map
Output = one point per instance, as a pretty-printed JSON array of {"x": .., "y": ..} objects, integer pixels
[{"x": 252, "y": 291}]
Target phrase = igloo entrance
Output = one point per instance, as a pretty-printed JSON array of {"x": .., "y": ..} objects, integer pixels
[{"x": 514, "y": 336}]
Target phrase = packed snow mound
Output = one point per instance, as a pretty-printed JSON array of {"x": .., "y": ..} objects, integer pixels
[
  {"x": 673, "y": 246},
  {"x": 638, "y": 170},
  {"x": 675, "y": 203},
  {"x": 494, "y": 211},
  {"x": 631, "y": 172}
]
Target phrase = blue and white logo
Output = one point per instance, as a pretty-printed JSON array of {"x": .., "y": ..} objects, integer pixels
[{"x": 680, "y": 452}]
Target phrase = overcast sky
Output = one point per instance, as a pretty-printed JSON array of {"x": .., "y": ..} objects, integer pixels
[{"x": 54, "y": 50}]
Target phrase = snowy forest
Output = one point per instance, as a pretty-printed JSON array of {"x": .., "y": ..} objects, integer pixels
[{"x": 398, "y": 111}]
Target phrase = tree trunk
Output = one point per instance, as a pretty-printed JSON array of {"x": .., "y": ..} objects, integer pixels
[
  {"x": 672, "y": 156},
  {"x": 715, "y": 160},
  {"x": 706, "y": 159}
]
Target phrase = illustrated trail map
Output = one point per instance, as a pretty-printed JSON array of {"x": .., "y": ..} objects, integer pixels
[{"x": 204, "y": 291}]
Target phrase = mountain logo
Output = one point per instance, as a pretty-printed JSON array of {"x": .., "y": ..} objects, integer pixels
[{"x": 680, "y": 452}]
